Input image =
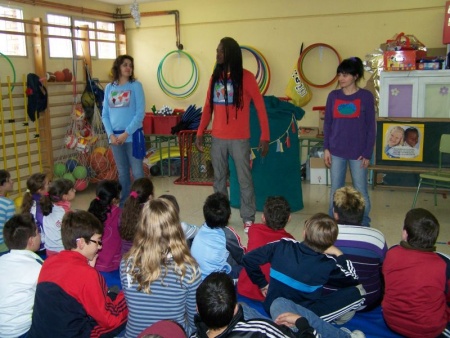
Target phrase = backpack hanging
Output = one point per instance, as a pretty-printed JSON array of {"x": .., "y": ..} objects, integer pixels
[{"x": 37, "y": 96}]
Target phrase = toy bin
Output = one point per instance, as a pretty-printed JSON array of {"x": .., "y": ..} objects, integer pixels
[{"x": 147, "y": 124}]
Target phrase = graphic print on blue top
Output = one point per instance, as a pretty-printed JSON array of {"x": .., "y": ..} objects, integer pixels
[
  {"x": 219, "y": 92},
  {"x": 347, "y": 109},
  {"x": 119, "y": 98}
]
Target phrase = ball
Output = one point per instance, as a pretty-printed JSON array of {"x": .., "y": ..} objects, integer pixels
[
  {"x": 110, "y": 174},
  {"x": 99, "y": 163},
  {"x": 67, "y": 75},
  {"x": 110, "y": 156},
  {"x": 50, "y": 77},
  {"x": 80, "y": 172},
  {"x": 69, "y": 176},
  {"x": 100, "y": 150},
  {"x": 18, "y": 202},
  {"x": 81, "y": 185},
  {"x": 59, "y": 76},
  {"x": 155, "y": 170},
  {"x": 71, "y": 141},
  {"x": 59, "y": 169},
  {"x": 71, "y": 164}
]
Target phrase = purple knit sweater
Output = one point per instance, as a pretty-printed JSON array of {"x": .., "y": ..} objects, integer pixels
[{"x": 349, "y": 127}]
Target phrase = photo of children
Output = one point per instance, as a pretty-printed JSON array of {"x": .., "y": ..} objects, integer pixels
[{"x": 403, "y": 142}]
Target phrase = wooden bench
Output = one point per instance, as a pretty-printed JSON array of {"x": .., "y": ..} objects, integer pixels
[{"x": 399, "y": 169}]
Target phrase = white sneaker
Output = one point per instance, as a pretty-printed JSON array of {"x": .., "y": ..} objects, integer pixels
[
  {"x": 247, "y": 226},
  {"x": 354, "y": 334},
  {"x": 344, "y": 318}
]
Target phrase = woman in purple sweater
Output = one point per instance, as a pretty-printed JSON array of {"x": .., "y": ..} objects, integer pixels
[{"x": 349, "y": 131}]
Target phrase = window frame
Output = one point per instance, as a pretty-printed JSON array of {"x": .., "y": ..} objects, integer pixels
[
  {"x": 19, "y": 35},
  {"x": 102, "y": 44}
]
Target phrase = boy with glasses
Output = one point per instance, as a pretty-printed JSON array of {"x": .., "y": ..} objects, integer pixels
[{"x": 72, "y": 298}]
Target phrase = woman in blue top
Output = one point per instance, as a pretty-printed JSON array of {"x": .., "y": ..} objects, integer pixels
[
  {"x": 349, "y": 131},
  {"x": 123, "y": 113}
]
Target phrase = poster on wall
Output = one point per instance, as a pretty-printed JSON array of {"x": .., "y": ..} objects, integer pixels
[{"x": 403, "y": 142}]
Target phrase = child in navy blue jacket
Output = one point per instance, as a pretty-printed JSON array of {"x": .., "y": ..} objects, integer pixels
[{"x": 299, "y": 271}]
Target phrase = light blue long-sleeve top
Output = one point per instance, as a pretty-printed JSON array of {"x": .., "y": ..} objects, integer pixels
[{"x": 123, "y": 108}]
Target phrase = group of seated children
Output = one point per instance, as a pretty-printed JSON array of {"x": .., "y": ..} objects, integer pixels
[{"x": 309, "y": 286}]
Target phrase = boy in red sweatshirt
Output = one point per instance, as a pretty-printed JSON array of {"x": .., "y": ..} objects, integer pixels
[
  {"x": 417, "y": 292},
  {"x": 72, "y": 298}
]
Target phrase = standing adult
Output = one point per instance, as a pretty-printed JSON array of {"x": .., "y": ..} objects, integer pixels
[
  {"x": 123, "y": 113},
  {"x": 231, "y": 90},
  {"x": 349, "y": 131}
]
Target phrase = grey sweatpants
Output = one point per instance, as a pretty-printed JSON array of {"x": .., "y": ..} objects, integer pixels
[{"x": 239, "y": 150}]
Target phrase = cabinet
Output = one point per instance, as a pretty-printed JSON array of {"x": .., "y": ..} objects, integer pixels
[{"x": 415, "y": 94}]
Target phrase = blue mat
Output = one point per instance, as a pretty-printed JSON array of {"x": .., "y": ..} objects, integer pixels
[
  {"x": 112, "y": 278},
  {"x": 371, "y": 323}
]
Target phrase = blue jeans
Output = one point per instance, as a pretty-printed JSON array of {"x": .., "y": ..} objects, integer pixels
[
  {"x": 359, "y": 179},
  {"x": 123, "y": 155},
  {"x": 283, "y": 305},
  {"x": 251, "y": 313}
]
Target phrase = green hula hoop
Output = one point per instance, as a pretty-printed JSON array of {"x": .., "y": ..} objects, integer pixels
[
  {"x": 12, "y": 67},
  {"x": 167, "y": 87}
]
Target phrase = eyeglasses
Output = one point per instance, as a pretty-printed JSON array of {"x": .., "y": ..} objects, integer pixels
[{"x": 96, "y": 242}]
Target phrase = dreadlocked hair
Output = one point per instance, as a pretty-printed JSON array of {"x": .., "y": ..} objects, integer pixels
[{"x": 232, "y": 63}]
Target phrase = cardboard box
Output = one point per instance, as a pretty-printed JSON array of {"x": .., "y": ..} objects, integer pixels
[
  {"x": 436, "y": 65},
  {"x": 402, "y": 59},
  {"x": 318, "y": 171}
]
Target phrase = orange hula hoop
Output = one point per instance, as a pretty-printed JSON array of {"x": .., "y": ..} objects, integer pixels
[{"x": 302, "y": 57}]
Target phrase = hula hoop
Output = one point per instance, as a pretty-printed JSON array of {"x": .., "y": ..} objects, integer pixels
[
  {"x": 302, "y": 58},
  {"x": 263, "y": 72},
  {"x": 12, "y": 67},
  {"x": 167, "y": 88}
]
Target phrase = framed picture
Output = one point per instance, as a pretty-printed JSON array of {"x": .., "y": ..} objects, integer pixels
[{"x": 403, "y": 142}]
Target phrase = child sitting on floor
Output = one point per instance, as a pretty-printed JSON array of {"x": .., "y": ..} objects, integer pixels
[
  {"x": 299, "y": 271},
  {"x": 37, "y": 186},
  {"x": 54, "y": 206},
  {"x": 189, "y": 230},
  {"x": 72, "y": 299},
  {"x": 217, "y": 247},
  {"x": 105, "y": 206},
  {"x": 220, "y": 315},
  {"x": 364, "y": 246},
  {"x": 7, "y": 208},
  {"x": 276, "y": 215},
  {"x": 19, "y": 274},
  {"x": 141, "y": 192},
  {"x": 417, "y": 278}
]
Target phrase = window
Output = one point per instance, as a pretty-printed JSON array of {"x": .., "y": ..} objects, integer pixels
[
  {"x": 12, "y": 44},
  {"x": 102, "y": 36},
  {"x": 59, "y": 47},
  {"x": 92, "y": 49},
  {"x": 106, "y": 50}
]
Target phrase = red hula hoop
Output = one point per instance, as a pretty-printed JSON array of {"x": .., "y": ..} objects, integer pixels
[{"x": 301, "y": 58}]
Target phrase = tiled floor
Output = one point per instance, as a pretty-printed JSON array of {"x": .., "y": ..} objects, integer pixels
[{"x": 388, "y": 208}]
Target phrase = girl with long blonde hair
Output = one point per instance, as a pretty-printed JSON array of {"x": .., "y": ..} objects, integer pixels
[{"x": 159, "y": 276}]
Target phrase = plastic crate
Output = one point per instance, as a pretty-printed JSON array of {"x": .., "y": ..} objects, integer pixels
[{"x": 196, "y": 167}]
